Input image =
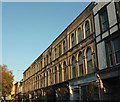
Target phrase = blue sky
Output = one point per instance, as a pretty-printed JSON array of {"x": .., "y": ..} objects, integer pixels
[{"x": 29, "y": 28}]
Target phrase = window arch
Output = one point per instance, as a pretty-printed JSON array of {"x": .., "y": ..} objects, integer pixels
[
  {"x": 72, "y": 40},
  {"x": 65, "y": 71},
  {"x": 80, "y": 34},
  {"x": 87, "y": 28},
  {"x": 73, "y": 67},
  {"x": 89, "y": 61},
  {"x": 60, "y": 73},
  {"x": 80, "y": 61}
]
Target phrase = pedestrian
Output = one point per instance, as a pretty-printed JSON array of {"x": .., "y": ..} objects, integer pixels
[{"x": 27, "y": 100}]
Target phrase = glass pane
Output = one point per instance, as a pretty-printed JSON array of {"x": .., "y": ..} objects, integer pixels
[
  {"x": 64, "y": 46},
  {"x": 79, "y": 34},
  {"x": 81, "y": 69},
  {"x": 73, "y": 72},
  {"x": 90, "y": 92},
  {"x": 116, "y": 43},
  {"x": 118, "y": 56},
  {"x": 111, "y": 59},
  {"x": 109, "y": 48},
  {"x": 60, "y": 73},
  {"x": 89, "y": 54},
  {"x": 104, "y": 20},
  {"x": 83, "y": 93},
  {"x": 72, "y": 40},
  {"x": 87, "y": 28},
  {"x": 73, "y": 61},
  {"x": 64, "y": 66},
  {"x": 104, "y": 16},
  {"x": 105, "y": 26},
  {"x": 73, "y": 67},
  {"x": 90, "y": 66},
  {"x": 80, "y": 58}
]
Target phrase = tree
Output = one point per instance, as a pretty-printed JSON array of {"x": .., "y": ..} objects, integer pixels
[{"x": 7, "y": 80}]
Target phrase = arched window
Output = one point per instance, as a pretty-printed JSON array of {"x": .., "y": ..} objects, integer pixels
[
  {"x": 40, "y": 81},
  {"x": 35, "y": 83},
  {"x": 41, "y": 64},
  {"x": 60, "y": 73},
  {"x": 80, "y": 34},
  {"x": 60, "y": 50},
  {"x": 50, "y": 75},
  {"x": 46, "y": 78},
  {"x": 64, "y": 46},
  {"x": 87, "y": 28},
  {"x": 47, "y": 59},
  {"x": 72, "y": 40},
  {"x": 50, "y": 57},
  {"x": 44, "y": 62},
  {"x": 89, "y": 61},
  {"x": 55, "y": 72},
  {"x": 73, "y": 67},
  {"x": 65, "y": 71},
  {"x": 80, "y": 60},
  {"x": 55, "y": 53}
]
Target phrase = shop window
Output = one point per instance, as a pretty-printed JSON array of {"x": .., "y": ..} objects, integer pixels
[
  {"x": 62, "y": 94},
  {"x": 89, "y": 92}
]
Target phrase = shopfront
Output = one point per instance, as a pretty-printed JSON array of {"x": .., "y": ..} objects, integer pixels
[{"x": 84, "y": 89}]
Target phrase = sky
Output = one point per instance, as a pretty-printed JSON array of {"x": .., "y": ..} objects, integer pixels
[{"x": 28, "y": 28}]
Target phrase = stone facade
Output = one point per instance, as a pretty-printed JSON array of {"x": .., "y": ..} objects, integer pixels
[{"x": 71, "y": 68}]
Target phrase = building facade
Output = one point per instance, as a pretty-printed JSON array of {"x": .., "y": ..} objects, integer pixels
[
  {"x": 73, "y": 67},
  {"x": 16, "y": 93},
  {"x": 107, "y": 32}
]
